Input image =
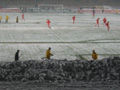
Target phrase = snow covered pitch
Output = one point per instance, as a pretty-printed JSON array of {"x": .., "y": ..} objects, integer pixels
[{"x": 67, "y": 40}]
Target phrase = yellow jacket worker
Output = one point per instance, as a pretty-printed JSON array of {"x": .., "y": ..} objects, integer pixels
[
  {"x": 6, "y": 18},
  {"x": 48, "y": 53},
  {"x": 0, "y": 19},
  {"x": 116, "y": 11},
  {"x": 94, "y": 55}
]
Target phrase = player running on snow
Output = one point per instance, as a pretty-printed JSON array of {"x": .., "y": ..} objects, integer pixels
[
  {"x": 48, "y": 22},
  {"x": 73, "y": 19},
  {"x": 104, "y": 20},
  {"x": 23, "y": 18},
  {"x": 107, "y": 24},
  {"x": 97, "y": 22}
]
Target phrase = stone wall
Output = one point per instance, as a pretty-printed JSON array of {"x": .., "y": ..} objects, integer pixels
[{"x": 61, "y": 70}]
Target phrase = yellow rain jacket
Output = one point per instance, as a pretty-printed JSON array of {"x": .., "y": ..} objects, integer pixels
[
  {"x": 0, "y": 17},
  {"x": 7, "y": 17},
  {"x": 94, "y": 56},
  {"x": 48, "y": 54},
  {"x": 116, "y": 10}
]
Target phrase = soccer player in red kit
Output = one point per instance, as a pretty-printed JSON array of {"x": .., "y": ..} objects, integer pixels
[
  {"x": 104, "y": 20},
  {"x": 48, "y": 22},
  {"x": 107, "y": 24},
  {"x": 23, "y": 17},
  {"x": 73, "y": 19},
  {"x": 97, "y": 22}
]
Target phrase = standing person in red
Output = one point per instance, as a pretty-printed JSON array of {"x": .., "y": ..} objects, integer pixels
[
  {"x": 73, "y": 19},
  {"x": 104, "y": 20},
  {"x": 48, "y": 22},
  {"x": 97, "y": 22},
  {"x": 23, "y": 17},
  {"x": 107, "y": 24}
]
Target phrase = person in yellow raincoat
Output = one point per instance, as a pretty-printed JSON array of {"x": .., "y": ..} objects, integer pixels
[
  {"x": 116, "y": 11},
  {"x": 6, "y": 19},
  {"x": 0, "y": 19},
  {"x": 94, "y": 55},
  {"x": 48, "y": 53}
]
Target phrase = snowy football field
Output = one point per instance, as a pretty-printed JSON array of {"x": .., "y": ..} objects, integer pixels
[{"x": 67, "y": 40}]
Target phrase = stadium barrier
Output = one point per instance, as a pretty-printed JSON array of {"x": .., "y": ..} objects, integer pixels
[
  {"x": 9, "y": 10},
  {"x": 98, "y": 11},
  {"x": 32, "y": 10},
  {"x": 16, "y": 10}
]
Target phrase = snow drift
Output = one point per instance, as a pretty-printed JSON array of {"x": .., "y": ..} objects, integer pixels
[{"x": 61, "y": 70}]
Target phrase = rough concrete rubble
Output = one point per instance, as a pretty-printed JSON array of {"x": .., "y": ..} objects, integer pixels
[{"x": 61, "y": 70}]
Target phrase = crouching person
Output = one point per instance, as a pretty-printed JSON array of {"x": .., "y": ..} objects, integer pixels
[
  {"x": 94, "y": 55},
  {"x": 48, "y": 53}
]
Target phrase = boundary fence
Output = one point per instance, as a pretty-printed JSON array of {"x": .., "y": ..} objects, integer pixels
[{"x": 99, "y": 11}]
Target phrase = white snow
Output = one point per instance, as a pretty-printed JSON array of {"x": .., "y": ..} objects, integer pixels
[{"x": 32, "y": 36}]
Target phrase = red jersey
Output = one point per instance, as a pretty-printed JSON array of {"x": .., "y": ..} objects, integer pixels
[
  {"x": 107, "y": 24},
  {"x": 73, "y": 17},
  {"x": 97, "y": 20},
  {"x": 22, "y": 15},
  {"x": 104, "y": 20},
  {"x": 48, "y": 21}
]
